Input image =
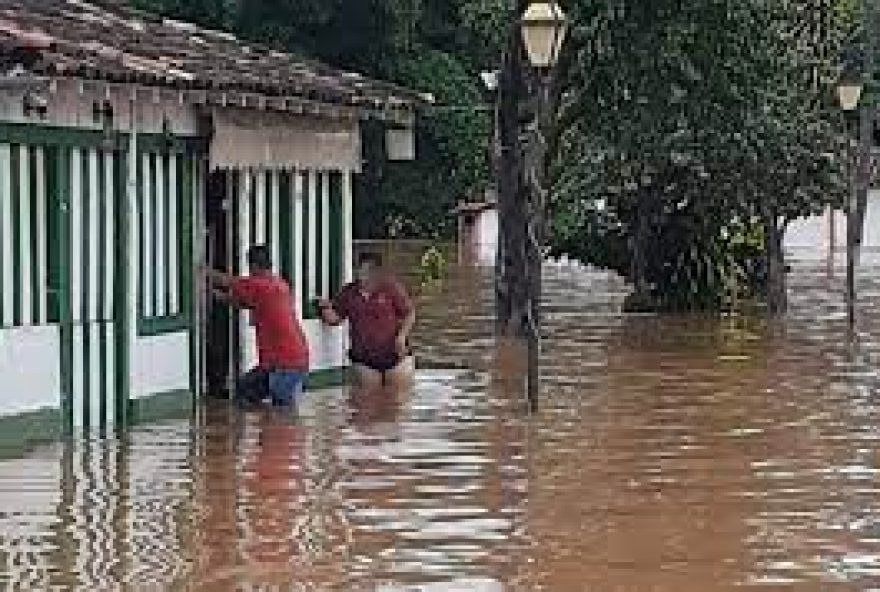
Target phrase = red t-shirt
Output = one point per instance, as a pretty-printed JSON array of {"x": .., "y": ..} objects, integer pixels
[
  {"x": 280, "y": 339},
  {"x": 374, "y": 318}
]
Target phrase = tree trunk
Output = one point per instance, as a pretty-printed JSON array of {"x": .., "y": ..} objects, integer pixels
[
  {"x": 777, "y": 292},
  {"x": 641, "y": 299},
  {"x": 511, "y": 281}
]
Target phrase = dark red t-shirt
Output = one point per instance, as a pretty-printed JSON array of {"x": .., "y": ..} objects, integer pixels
[
  {"x": 280, "y": 339},
  {"x": 374, "y": 318}
]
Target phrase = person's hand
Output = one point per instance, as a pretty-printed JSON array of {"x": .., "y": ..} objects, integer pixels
[
  {"x": 401, "y": 346},
  {"x": 324, "y": 304}
]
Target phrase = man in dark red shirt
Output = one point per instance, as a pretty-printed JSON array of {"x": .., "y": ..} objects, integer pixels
[
  {"x": 282, "y": 348},
  {"x": 381, "y": 317}
]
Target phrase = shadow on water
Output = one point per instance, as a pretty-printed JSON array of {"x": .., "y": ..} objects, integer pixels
[{"x": 671, "y": 453}]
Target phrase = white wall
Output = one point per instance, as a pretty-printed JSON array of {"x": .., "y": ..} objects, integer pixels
[
  {"x": 159, "y": 364},
  {"x": 815, "y": 232},
  {"x": 30, "y": 359},
  {"x": 487, "y": 237}
]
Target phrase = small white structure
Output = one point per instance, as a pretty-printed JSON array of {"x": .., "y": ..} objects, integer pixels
[{"x": 477, "y": 231}]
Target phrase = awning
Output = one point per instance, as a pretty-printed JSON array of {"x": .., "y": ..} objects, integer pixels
[{"x": 245, "y": 138}]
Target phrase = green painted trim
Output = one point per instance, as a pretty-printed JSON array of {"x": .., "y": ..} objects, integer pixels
[
  {"x": 320, "y": 272},
  {"x": 15, "y": 174},
  {"x": 141, "y": 201},
  {"x": 267, "y": 222},
  {"x": 252, "y": 207},
  {"x": 101, "y": 230},
  {"x": 121, "y": 287},
  {"x": 62, "y": 253},
  {"x": 306, "y": 305},
  {"x": 33, "y": 184},
  {"x": 336, "y": 238},
  {"x": 168, "y": 234},
  {"x": 101, "y": 387},
  {"x": 152, "y": 261},
  {"x": 234, "y": 196},
  {"x": 21, "y": 433},
  {"x": 186, "y": 200},
  {"x": 163, "y": 325},
  {"x": 49, "y": 135},
  {"x": 53, "y": 206},
  {"x": 85, "y": 262},
  {"x": 285, "y": 227},
  {"x": 327, "y": 378},
  {"x": 235, "y": 238},
  {"x": 161, "y": 406}
]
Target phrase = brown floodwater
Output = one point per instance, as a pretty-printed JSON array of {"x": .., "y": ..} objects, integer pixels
[{"x": 670, "y": 453}]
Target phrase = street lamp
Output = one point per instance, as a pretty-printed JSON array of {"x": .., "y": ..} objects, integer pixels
[
  {"x": 543, "y": 30},
  {"x": 849, "y": 93},
  {"x": 543, "y": 27}
]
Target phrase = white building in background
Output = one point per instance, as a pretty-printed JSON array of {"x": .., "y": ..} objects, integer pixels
[
  {"x": 819, "y": 235},
  {"x": 478, "y": 231}
]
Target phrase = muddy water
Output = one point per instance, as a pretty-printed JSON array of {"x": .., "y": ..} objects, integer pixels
[{"x": 670, "y": 454}]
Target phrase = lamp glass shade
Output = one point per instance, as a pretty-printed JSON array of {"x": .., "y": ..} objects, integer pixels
[
  {"x": 848, "y": 94},
  {"x": 543, "y": 30}
]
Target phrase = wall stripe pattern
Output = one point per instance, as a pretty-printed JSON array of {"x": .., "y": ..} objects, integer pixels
[
  {"x": 165, "y": 188},
  {"x": 94, "y": 177},
  {"x": 24, "y": 237}
]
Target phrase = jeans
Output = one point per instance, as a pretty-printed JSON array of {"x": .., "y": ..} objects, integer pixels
[{"x": 280, "y": 386}]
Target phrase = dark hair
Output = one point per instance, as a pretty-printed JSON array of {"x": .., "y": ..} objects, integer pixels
[
  {"x": 259, "y": 258},
  {"x": 373, "y": 258}
]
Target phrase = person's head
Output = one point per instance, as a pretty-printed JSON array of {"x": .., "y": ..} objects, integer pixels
[
  {"x": 369, "y": 266},
  {"x": 259, "y": 259}
]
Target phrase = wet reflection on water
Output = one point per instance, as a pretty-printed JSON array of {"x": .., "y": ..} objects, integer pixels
[{"x": 670, "y": 454}]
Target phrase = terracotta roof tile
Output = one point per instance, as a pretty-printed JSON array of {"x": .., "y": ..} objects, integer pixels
[{"x": 107, "y": 40}]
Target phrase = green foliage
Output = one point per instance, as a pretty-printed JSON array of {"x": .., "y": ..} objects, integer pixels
[
  {"x": 688, "y": 125},
  {"x": 432, "y": 267},
  {"x": 451, "y": 148}
]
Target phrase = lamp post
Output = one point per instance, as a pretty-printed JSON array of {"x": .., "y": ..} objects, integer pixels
[
  {"x": 522, "y": 184},
  {"x": 849, "y": 91}
]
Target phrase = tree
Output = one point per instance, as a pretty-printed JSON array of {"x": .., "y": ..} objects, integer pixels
[{"x": 693, "y": 132}]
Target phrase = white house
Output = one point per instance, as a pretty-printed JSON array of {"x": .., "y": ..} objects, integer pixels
[{"x": 132, "y": 149}]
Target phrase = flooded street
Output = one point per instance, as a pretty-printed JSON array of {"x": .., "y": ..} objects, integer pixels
[{"x": 670, "y": 454}]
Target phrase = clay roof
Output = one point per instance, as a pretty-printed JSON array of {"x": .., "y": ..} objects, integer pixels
[{"x": 109, "y": 41}]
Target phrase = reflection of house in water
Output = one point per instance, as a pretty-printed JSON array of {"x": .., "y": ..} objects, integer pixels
[{"x": 478, "y": 230}]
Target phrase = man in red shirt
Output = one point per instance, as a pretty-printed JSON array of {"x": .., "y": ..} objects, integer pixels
[
  {"x": 381, "y": 317},
  {"x": 281, "y": 344}
]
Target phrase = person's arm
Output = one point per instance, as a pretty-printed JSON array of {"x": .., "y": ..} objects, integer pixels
[
  {"x": 328, "y": 313},
  {"x": 229, "y": 289},
  {"x": 407, "y": 314},
  {"x": 334, "y": 312}
]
